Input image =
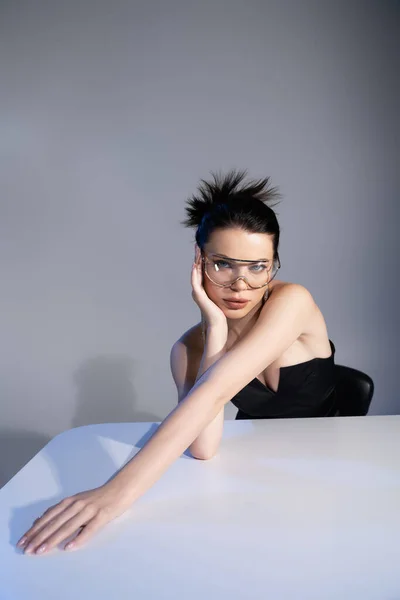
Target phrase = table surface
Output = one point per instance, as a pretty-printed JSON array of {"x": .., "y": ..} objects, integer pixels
[{"x": 291, "y": 508}]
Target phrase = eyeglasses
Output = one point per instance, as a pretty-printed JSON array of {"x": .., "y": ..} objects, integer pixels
[{"x": 226, "y": 271}]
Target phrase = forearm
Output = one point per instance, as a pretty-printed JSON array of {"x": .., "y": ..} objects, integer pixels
[
  {"x": 206, "y": 443},
  {"x": 214, "y": 348},
  {"x": 171, "y": 439}
]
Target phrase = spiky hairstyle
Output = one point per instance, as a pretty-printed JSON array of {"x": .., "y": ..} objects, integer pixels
[{"x": 229, "y": 201}]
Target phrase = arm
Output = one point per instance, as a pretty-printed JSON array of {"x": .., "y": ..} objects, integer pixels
[
  {"x": 206, "y": 443},
  {"x": 282, "y": 320}
]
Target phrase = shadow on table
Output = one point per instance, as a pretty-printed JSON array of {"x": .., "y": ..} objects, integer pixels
[
  {"x": 105, "y": 394},
  {"x": 88, "y": 466}
]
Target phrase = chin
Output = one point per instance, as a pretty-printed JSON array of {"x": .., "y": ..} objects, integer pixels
[{"x": 235, "y": 314}]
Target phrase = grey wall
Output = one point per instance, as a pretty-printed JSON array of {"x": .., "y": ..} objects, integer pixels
[{"x": 110, "y": 113}]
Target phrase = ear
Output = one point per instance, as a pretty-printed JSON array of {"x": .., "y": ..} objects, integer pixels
[{"x": 197, "y": 252}]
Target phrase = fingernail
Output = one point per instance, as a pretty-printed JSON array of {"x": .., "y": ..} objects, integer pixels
[
  {"x": 21, "y": 541},
  {"x": 41, "y": 549},
  {"x": 69, "y": 546},
  {"x": 28, "y": 549}
]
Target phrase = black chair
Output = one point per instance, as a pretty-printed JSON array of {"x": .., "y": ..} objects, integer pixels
[{"x": 354, "y": 391}]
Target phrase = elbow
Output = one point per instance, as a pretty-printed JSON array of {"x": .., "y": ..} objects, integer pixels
[
  {"x": 202, "y": 452},
  {"x": 202, "y": 455}
]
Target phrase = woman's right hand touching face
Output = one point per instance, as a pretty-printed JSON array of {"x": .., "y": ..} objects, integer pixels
[{"x": 213, "y": 315}]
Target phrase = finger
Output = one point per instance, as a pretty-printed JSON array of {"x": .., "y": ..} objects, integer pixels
[
  {"x": 47, "y": 516},
  {"x": 43, "y": 521},
  {"x": 200, "y": 272},
  {"x": 67, "y": 529},
  {"x": 81, "y": 538},
  {"x": 196, "y": 279},
  {"x": 195, "y": 273},
  {"x": 56, "y": 523}
]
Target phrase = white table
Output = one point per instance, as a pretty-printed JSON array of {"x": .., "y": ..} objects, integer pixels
[{"x": 297, "y": 508}]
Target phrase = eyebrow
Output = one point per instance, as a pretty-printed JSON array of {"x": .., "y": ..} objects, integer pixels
[{"x": 240, "y": 259}]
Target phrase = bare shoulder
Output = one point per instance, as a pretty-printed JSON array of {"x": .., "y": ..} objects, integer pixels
[
  {"x": 314, "y": 340},
  {"x": 191, "y": 339},
  {"x": 296, "y": 291},
  {"x": 185, "y": 358}
]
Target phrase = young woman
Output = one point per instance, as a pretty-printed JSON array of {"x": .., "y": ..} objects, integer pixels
[{"x": 261, "y": 343}]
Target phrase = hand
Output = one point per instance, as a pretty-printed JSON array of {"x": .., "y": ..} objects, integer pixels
[
  {"x": 88, "y": 510},
  {"x": 212, "y": 314}
]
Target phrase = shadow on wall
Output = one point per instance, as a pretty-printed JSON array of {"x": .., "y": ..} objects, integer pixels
[
  {"x": 16, "y": 449},
  {"x": 105, "y": 392}
]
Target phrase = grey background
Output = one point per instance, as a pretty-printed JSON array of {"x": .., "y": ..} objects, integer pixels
[{"x": 110, "y": 113}]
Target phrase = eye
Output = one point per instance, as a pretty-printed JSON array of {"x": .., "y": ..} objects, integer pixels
[
  {"x": 221, "y": 264},
  {"x": 258, "y": 268}
]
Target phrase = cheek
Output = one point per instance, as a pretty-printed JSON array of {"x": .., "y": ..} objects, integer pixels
[{"x": 214, "y": 292}]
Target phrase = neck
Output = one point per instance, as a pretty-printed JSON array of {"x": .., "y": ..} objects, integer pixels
[{"x": 238, "y": 328}]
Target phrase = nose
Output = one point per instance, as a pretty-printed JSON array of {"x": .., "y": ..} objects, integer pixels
[{"x": 239, "y": 285}]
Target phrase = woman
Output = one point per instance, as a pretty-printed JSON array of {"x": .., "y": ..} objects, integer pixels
[{"x": 261, "y": 343}]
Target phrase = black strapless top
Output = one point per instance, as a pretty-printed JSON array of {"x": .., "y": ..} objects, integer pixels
[{"x": 306, "y": 389}]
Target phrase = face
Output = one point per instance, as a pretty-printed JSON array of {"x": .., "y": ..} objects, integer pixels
[{"x": 239, "y": 244}]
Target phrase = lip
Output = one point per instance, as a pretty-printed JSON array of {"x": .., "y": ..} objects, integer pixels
[
  {"x": 236, "y": 304},
  {"x": 241, "y": 300}
]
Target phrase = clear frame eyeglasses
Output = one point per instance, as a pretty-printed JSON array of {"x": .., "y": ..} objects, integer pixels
[{"x": 224, "y": 272}]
